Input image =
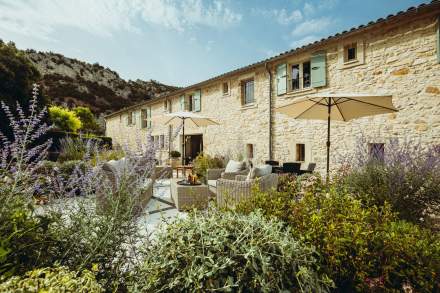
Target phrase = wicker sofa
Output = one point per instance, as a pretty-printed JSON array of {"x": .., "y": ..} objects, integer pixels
[{"x": 230, "y": 192}]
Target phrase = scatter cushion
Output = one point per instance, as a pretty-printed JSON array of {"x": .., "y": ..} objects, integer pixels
[
  {"x": 212, "y": 183},
  {"x": 234, "y": 166},
  {"x": 263, "y": 170},
  {"x": 252, "y": 174}
]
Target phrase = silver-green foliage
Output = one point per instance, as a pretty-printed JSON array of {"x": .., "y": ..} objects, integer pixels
[
  {"x": 58, "y": 279},
  {"x": 228, "y": 252}
]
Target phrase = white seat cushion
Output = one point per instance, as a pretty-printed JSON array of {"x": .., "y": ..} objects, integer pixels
[
  {"x": 212, "y": 183},
  {"x": 234, "y": 166}
]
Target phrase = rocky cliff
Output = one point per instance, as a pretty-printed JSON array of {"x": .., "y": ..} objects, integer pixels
[{"x": 76, "y": 83}]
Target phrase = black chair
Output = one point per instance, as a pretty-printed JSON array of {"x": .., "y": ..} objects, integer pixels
[
  {"x": 310, "y": 168},
  {"x": 293, "y": 168},
  {"x": 272, "y": 163}
]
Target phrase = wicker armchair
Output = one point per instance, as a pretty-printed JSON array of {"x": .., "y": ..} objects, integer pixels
[
  {"x": 212, "y": 176},
  {"x": 111, "y": 178},
  {"x": 230, "y": 192}
]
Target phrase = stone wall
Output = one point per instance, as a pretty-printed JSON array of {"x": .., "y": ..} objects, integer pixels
[
  {"x": 238, "y": 125},
  {"x": 397, "y": 59}
]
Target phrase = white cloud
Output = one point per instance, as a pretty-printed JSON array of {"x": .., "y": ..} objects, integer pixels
[
  {"x": 104, "y": 17},
  {"x": 282, "y": 16},
  {"x": 312, "y": 26}
]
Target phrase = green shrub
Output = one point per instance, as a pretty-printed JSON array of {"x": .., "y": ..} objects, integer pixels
[
  {"x": 64, "y": 119},
  {"x": 107, "y": 155},
  {"x": 228, "y": 252},
  {"x": 58, "y": 279},
  {"x": 362, "y": 247},
  {"x": 72, "y": 149},
  {"x": 175, "y": 154},
  {"x": 204, "y": 162},
  {"x": 88, "y": 120},
  {"x": 26, "y": 239}
]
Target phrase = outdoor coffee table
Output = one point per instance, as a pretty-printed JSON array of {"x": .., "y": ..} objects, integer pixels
[{"x": 186, "y": 197}]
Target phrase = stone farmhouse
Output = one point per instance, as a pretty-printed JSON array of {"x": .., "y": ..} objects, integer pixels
[{"x": 397, "y": 55}]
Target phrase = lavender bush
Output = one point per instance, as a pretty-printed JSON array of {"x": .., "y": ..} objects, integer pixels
[
  {"x": 407, "y": 176},
  {"x": 70, "y": 230}
]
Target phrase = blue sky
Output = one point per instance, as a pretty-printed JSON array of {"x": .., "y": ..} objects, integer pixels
[{"x": 180, "y": 42}]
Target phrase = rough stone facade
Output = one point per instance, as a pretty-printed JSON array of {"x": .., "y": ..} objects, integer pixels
[{"x": 398, "y": 58}]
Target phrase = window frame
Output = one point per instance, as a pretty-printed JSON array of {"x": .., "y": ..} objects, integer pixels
[
  {"x": 301, "y": 82},
  {"x": 300, "y": 152},
  {"x": 376, "y": 151},
  {"x": 347, "y": 47},
  {"x": 250, "y": 151},
  {"x": 244, "y": 82},
  {"x": 228, "y": 85},
  {"x": 130, "y": 119}
]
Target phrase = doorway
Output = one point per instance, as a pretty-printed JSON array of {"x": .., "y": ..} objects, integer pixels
[{"x": 193, "y": 147}]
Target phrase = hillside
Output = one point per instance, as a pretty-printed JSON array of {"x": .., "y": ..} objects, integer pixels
[{"x": 77, "y": 83}]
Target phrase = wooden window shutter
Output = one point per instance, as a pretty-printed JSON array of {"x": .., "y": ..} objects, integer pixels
[
  {"x": 318, "y": 72},
  {"x": 182, "y": 102},
  {"x": 281, "y": 79},
  {"x": 197, "y": 100}
]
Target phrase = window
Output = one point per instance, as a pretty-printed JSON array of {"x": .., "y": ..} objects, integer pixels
[
  {"x": 250, "y": 151},
  {"x": 189, "y": 106},
  {"x": 377, "y": 151},
  {"x": 167, "y": 106},
  {"x": 350, "y": 52},
  {"x": 225, "y": 88},
  {"x": 130, "y": 118},
  {"x": 247, "y": 88},
  {"x": 295, "y": 77},
  {"x": 162, "y": 141},
  {"x": 146, "y": 118},
  {"x": 300, "y": 152},
  {"x": 300, "y": 76},
  {"x": 306, "y": 74}
]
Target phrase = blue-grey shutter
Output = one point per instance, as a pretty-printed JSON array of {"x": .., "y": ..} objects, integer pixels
[
  {"x": 182, "y": 102},
  {"x": 197, "y": 100},
  {"x": 318, "y": 72},
  {"x": 281, "y": 79}
]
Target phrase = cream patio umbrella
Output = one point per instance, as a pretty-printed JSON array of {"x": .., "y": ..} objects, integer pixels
[
  {"x": 186, "y": 118},
  {"x": 339, "y": 107}
]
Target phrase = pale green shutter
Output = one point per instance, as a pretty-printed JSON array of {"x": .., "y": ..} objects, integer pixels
[
  {"x": 438, "y": 39},
  {"x": 318, "y": 65},
  {"x": 197, "y": 100},
  {"x": 149, "y": 122},
  {"x": 136, "y": 118},
  {"x": 182, "y": 102},
  {"x": 281, "y": 79}
]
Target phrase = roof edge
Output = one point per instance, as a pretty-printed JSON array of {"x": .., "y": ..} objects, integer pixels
[{"x": 422, "y": 8}]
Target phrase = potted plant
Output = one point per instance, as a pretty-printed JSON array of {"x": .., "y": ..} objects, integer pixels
[{"x": 174, "y": 159}]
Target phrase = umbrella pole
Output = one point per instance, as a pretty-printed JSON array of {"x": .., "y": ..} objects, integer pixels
[{"x": 329, "y": 107}]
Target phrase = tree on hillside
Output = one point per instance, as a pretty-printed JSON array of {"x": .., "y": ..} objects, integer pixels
[
  {"x": 17, "y": 75},
  {"x": 88, "y": 120}
]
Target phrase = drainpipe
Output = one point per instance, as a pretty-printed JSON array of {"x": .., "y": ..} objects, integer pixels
[{"x": 270, "y": 110}]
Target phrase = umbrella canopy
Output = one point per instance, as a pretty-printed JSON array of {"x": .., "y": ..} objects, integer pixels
[
  {"x": 186, "y": 118},
  {"x": 339, "y": 107}
]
